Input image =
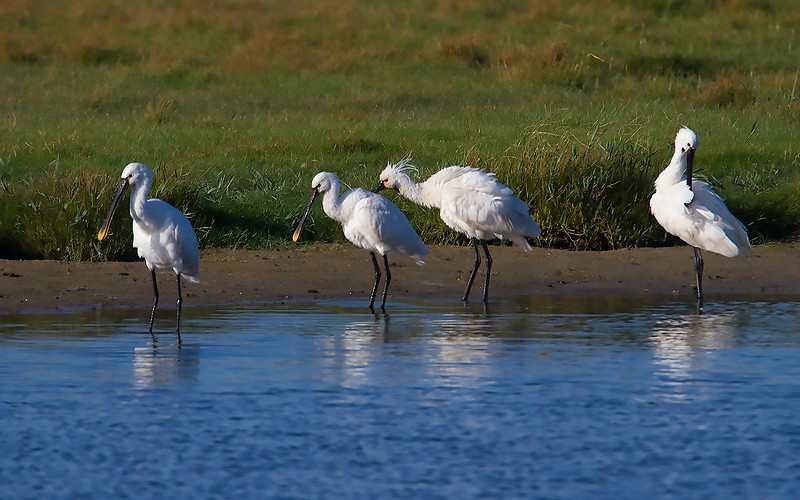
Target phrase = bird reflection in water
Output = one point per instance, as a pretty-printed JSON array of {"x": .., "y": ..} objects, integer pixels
[
  {"x": 348, "y": 357},
  {"x": 462, "y": 350},
  {"x": 154, "y": 364},
  {"x": 683, "y": 343},
  {"x": 457, "y": 350}
]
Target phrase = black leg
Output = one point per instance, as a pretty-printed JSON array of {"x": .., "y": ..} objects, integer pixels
[
  {"x": 698, "y": 269},
  {"x": 474, "y": 270},
  {"x": 385, "y": 285},
  {"x": 488, "y": 272},
  {"x": 155, "y": 300},
  {"x": 180, "y": 304},
  {"x": 377, "y": 279}
]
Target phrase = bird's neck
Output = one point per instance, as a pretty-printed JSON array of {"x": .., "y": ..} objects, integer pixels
[
  {"x": 674, "y": 173},
  {"x": 419, "y": 193},
  {"x": 332, "y": 205},
  {"x": 139, "y": 195}
]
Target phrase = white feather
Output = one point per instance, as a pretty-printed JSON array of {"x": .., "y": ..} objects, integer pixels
[
  {"x": 698, "y": 216},
  {"x": 162, "y": 235},
  {"x": 369, "y": 220},
  {"x": 470, "y": 201}
]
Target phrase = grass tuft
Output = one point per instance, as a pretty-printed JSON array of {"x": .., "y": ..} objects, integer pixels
[
  {"x": 96, "y": 56},
  {"x": 585, "y": 196},
  {"x": 674, "y": 65},
  {"x": 468, "y": 52},
  {"x": 728, "y": 89},
  {"x": 55, "y": 214}
]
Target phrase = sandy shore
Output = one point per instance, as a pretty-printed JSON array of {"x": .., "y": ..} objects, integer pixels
[{"x": 333, "y": 271}]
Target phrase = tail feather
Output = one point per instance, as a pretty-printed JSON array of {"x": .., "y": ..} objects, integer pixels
[
  {"x": 193, "y": 279},
  {"x": 520, "y": 240}
]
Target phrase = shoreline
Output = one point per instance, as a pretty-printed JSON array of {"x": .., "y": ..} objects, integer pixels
[{"x": 330, "y": 271}]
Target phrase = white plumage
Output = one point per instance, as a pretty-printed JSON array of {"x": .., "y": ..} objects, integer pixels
[
  {"x": 689, "y": 209},
  {"x": 162, "y": 234},
  {"x": 471, "y": 202},
  {"x": 369, "y": 221}
]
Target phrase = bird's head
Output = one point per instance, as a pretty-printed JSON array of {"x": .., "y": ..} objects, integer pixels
[
  {"x": 133, "y": 174},
  {"x": 136, "y": 173},
  {"x": 685, "y": 146},
  {"x": 393, "y": 175},
  {"x": 685, "y": 140},
  {"x": 322, "y": 183}
]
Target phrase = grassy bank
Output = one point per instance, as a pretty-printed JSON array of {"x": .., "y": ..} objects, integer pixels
[{"x": 238, "y": 105}]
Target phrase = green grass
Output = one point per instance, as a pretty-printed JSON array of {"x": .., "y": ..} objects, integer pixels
[{"x": 238, "y": 105}]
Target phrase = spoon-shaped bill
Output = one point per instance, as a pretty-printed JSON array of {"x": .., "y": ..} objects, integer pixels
[
  {"x": 123, "y": 184},
  {"x": 296, "y": 235}
]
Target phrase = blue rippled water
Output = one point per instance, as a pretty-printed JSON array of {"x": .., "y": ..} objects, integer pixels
[{"x": 544, "y": 397}]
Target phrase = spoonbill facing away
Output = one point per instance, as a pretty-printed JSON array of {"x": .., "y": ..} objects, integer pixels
[
  {"x": 471, "y": 202},
  {"x": 369, "y": 221},
  {"x": 689, "y": 209},
  {"x": 161, "y": 233}
]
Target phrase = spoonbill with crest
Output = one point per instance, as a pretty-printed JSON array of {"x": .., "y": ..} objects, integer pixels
[{"x": 471, "y": 202}]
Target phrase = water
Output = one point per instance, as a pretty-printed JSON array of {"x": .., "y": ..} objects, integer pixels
[{"x": 577, "y": 397}]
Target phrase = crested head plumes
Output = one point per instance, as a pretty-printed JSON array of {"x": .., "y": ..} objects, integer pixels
[
  {"x": 403, "y": 165},
  {"x": 685, "y": 139},
  {"x": 392, "y": 173}
]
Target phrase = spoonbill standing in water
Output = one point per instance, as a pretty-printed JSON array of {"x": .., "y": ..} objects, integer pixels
[
  {"x": 471, "y": 202},
  {"x": 162, "y": 235},
  {"x": 369, "y": 221},
  {"x": 689, "y": 209}
]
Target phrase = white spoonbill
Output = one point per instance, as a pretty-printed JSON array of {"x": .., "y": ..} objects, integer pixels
[
  {"x": 162, "y": 235},
  {"x": 471, "y": 202},
  {"x": 689, "y": 209},
  {"x": 369, "y": 221}
]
